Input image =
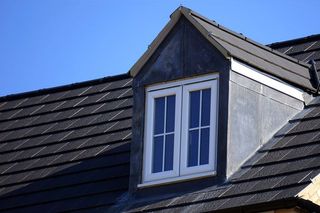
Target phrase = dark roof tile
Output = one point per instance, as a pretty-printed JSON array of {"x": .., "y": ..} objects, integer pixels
[{"x": 67, "y": 147}]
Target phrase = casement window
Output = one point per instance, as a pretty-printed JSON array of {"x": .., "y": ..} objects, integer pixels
[{"x": 180, "y": 130}]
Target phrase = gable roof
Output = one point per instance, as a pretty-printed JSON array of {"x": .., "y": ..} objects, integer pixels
[
  {"x": 231, "y": 44},
  {"x": 66, "y": 148}
]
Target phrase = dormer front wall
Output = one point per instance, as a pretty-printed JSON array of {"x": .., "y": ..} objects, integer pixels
[{"x": 184, "y": 54}]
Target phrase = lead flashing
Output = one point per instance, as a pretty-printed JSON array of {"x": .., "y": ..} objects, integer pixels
[{"x": 256, "y": 75}]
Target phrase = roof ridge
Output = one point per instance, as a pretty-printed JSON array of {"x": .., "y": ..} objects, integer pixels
[
  {"x": 247, "y": 39},
  {"x": 293, "y": 41},
  {"x": 63, "y": 87}
]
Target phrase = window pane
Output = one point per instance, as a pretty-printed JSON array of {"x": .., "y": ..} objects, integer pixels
[
  {"x": 193, "y": 148},
  {"x": 205, "y": 111},
  {"x": 204, "y": 146},
  {"x": 157, "y": 154},
  {"x": 159, "y": 115},
  {"x": 168, "y": 156},
  {"x": 171, "y": 102},
  {"x": 194, "y": 109}
]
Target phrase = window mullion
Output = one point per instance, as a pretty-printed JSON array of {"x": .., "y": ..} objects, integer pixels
[
  {"x": 199, "y": 135},
  {"x": 182, "y": 113},
  {"x": 164, "y": 131}
]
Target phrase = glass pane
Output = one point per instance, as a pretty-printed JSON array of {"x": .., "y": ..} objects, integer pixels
[
  {"x": 204, "y": 146},
  {"x": 171, "y": 102},
  {"x": 168, "y": 155},
  {"x": 193, "y": 148},
  {"x": 205, "y": 111},
  {"x": 159, "y": 115},
  {"x": 157, "y": 154},
  {"x": 194, "y": 109}
]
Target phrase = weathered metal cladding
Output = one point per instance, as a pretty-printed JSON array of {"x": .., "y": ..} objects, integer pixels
[
  {"x": 256, "y": 113},
  {"x": 184, "y": 53}
]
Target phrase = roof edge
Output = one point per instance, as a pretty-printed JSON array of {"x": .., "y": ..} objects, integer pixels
[
  {"x": 63, "y": 87},
  {"x": 174, "y": 18},
  {"x": 187, "y": 13},
  {"x": 294, "y": 41},
  {"x": 243, "y": 37}
]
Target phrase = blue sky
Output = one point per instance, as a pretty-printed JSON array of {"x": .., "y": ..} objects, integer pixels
[{"x": 46, "y": 43}]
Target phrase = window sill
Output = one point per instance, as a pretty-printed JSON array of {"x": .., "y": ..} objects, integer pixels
[{"x": 167, "y": 181}]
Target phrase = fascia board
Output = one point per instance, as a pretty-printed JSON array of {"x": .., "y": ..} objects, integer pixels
[
  {"x": 165, "y": 31},
  {"x": 204, "y": 32},
  {"x": 155, "y": 43},
  {"x": 255, "y": 75}
]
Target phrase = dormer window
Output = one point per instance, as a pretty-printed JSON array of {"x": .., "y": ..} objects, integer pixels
[{"x": 180, "y": 130}]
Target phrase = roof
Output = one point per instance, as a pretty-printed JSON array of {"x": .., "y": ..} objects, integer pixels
[
  {"x": 278, "y": 171},
  {"x": 232, "y": 44},
  {"x": 303, "y": 49},
  {"x": 66, "y": 148}
]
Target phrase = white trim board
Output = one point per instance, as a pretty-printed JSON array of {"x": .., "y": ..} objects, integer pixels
[
  {"x": 185, "y": 81},
  {"x": 256, "y": 75},
  {"x": 167, "y": 181}
]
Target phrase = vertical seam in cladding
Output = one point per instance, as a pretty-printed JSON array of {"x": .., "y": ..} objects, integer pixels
[
  {"x": 183, "y": 48},
  {"x": 199, "y": 130},
  {"x": 164, "y": 136}
]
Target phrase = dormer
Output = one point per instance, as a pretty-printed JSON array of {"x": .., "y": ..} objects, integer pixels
[
  {"x": 219, "y": 123},
  {"x": 202, "y": 103}
]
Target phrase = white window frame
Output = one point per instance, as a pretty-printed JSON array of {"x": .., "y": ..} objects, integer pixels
[
  {"x": 185, "y": 170},
  {"x": 180, "y": 170},
  {"x": 151, "y": 96}
]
